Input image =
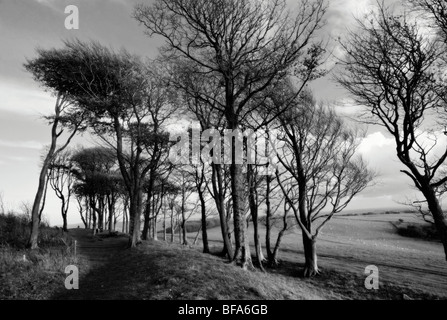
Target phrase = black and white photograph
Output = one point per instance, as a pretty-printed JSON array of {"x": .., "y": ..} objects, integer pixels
[{"x": 223, "y": 156}]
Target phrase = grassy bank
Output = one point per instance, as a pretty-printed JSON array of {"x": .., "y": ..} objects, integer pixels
[
  {"x": 162, "y": 271},
  {"x": 26, "y": 274}
]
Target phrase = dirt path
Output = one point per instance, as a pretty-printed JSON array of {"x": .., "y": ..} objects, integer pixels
[
  {"x": 94, "y": 254},
  {"x": 97, "y": 250},
  {"x": 161, "y": 271}
]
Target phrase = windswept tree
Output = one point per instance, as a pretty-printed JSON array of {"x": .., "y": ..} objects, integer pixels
[
  {"x": 245, "y": 46},
  {"x": 322, "y": 169},
  {"x": 118, "y": 91},
  {"x": 66, "y": 121},
  {"x": 392, "y": 69}
]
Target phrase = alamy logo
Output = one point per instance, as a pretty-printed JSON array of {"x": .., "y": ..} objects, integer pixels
[
  {"x": 225, "y": 147},
  {"x": 72, "y": 281},
  {"x": 372, "y": 280},
  {"x": 72, "y": 20}
]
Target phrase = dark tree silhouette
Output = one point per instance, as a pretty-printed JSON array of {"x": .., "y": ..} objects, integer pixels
[
  {"x": 391, "y": 68},
  {"x": 67, "y": 118},
  {"x": 322, "y": 171},
  {"x": 246, "y": 46}
]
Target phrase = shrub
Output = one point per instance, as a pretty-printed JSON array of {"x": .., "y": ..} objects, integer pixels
[
  {"x": 417, "y": 230},
  {"x": 31, "y": 274}
]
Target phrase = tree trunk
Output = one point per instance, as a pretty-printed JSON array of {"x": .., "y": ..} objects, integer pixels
[
  {"x": 184, "y": 240},
  {"x": 273, "y": 259},
  {"x": 179, "y": 231},
  {"x": 206, "y": 248},
  {"x": 242, "y": 255},
  {"x": 147, "y": 211},
  {"x": 43, "y": 200},
  {"x": 242, "y": 251},
  {"x": 32, "y": 243},
  {"x": 253, "y": 201},
  {"x": 84, "y": 220},
  {"x": 220, "y": 205},
  {"x": 134, "y": 217},
  {"x": 258, "y": 248},
  {"x": 64, "y": 214},
  {"x": 35, "y": 214},
  {"x": 438, "y": 216},
  {"x": 309, "y": 243},
  {"x": 126, "y": 216},
  {"x": 89, "y": 213},
  {"x": 268, "y": 216},
  {"x": 154, "y": 221},
  {"x": 196, "y": 238},
  {"x": 65, "y": 224},
  {"x": 310, "y": 254},
  {"x": 93, "y": 213},
  {"x": 101, "y": 214},
  {"x": 172, "y": 224},
  {"x": 111, "y": 204},
  {"x": 164, "y": 226}
]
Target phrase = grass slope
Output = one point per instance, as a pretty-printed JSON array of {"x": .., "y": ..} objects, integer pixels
[
  {"x": 162, "y": 271},
  {"x": 31, "y": 274}
]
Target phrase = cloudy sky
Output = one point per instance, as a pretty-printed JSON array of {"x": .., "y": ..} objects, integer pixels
[{"x": 28, "y": 24}]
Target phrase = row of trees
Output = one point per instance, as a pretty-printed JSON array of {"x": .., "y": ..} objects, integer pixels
[
  {"x": 242, "y": 66},
  {"x": 91, "y": 177}
]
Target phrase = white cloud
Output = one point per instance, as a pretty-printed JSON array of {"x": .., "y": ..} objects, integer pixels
[
  {"x": 52, "y": 4},
  {"x": 25, "y": 99},
  {"x": 375, "y": 142},
  {"x": 18, "y": 159},
  {"x": 21, "y": 144}
]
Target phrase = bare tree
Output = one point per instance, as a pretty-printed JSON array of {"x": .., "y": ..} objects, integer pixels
[
  {"x": 246, "y": 46},
  {"x": 437, "y": 10},
  {"x": 66, "y": 118},
  {"x": 322, "y": 171},
  {"x": 391, "y": 67},
  {"x": 285, "y": 225},
  {"x": 26, "y": 208},
  {"x": 81, "y": 209},
  {"x": 118, "y": 92}
]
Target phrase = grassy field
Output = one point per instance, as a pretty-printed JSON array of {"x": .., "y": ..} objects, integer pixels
[{"x": 407, "y": 266}]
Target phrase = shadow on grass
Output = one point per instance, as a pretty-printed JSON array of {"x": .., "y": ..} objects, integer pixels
[
  {"x": 349, "y": 284},
  {"x": 162, "y": 271}
]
